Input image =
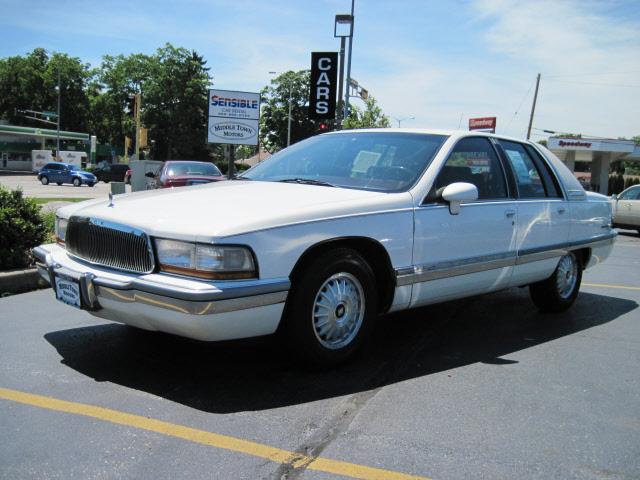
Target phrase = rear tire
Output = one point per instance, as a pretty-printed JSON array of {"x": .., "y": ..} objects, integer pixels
[
  {"x": 58, "y": 183},
  {"x": 77, "y": 182},
  {"x": 331, "y": 308},
  {"x": 558, "y": 292},
  {"x": 44, "y": 180},
  {"x": 90, "y": 184}
]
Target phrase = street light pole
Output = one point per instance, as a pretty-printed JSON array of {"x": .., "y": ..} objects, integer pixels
[
  {"x": 346, "y": 93},
  {"x": 341, "y": 80},
  {"x": 58, "y": 120},
  {"x": 400, "y": 120}
]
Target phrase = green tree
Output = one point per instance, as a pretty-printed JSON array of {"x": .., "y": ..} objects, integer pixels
[
  {"x": 371, "y": 117},
  {"x": 275, "y": 110},
  {"x": 119, "y": 79},
  {"x": 175, "y": 105},
  {"x": 30, "y": 81}
]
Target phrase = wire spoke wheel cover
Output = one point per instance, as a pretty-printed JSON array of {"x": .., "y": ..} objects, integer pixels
[
  {"x": 566, "y": 276},
  {"x": 338, "y": 310}
]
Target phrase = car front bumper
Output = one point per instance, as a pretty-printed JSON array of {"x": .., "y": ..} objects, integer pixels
[{"x": 181, "y": 306}]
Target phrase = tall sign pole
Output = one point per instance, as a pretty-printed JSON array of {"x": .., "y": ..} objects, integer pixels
[
  {"x": 341, "y": 78},
  {"x": 346, "y": 93},
  {"x": 533, "y": 107}
]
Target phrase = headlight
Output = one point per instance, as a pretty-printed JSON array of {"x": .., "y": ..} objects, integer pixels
[
  {"x": 223, "y": 262},
  {"x": 61, "y": 229}
]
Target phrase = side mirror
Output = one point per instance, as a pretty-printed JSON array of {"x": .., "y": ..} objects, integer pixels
[
  {"x": 459, "y": 192},
  {"x": 150, "y": 175},
  {"x": 614, "y": 197}
]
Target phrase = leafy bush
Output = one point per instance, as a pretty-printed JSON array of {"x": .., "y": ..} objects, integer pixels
[{"x": 21, "y": 229}]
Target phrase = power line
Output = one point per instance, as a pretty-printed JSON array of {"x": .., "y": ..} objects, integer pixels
[
  {"x": 594, "y": 83},
  {"x": 594, "y": 74},
  {"x": 520, "y": 106}
]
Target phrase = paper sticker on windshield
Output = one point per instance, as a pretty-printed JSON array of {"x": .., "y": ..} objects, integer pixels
[{"x": 364, "y": 160}]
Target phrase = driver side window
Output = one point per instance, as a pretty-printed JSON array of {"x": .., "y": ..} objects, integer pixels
[{"x": 473, "y": 160}]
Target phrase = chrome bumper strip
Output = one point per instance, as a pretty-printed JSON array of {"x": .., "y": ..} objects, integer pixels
[{"x": 454, "y": 268}]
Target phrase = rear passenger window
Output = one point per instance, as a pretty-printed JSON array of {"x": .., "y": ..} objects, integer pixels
[
  {"x": 473, "y": 160},
  {"x": 528, "y": 176},
  {"x": 551, "y": 185}
]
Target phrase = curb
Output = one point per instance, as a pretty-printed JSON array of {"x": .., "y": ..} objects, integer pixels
[{"x": 20, "y": 281}]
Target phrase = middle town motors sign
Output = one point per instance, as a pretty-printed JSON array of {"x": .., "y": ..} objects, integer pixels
[{"x": 233, "y": 117}]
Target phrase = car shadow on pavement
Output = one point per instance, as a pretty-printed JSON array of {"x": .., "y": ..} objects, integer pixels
[{"x": 260, "y": 374}]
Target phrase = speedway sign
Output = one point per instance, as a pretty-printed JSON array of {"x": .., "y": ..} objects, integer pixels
[{"x": 233, "y": 117}]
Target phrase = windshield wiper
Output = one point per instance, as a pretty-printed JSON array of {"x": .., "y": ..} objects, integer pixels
[
  {"x": 239, "y": 177},
  {"x": 307, "y": 181}
]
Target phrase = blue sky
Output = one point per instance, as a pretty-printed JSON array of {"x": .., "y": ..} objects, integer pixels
[{"x": 438, "y": 61}]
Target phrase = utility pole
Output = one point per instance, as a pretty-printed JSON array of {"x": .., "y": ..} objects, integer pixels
[
  {"x": 58, "y": 120},
  {"x": 533, "y": 107},
  {"x": 347, "y": 88}
]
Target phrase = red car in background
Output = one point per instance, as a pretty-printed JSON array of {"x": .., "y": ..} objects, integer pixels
[{"x": 181, "y": 173}]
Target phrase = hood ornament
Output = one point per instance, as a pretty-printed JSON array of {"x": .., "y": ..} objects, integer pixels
[{"x": 111, "y": 200}]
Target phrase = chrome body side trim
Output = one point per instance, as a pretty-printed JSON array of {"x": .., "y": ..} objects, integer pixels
[{"x": 427, "y": 272}]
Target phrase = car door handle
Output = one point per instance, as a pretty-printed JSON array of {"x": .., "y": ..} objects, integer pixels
[
  {"x": 561, "y": 210},
  {"x": 510, "y": 213}
]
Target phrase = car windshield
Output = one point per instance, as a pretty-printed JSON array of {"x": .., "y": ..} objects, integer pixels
[
  {"x": 74, "y": 167},
  {"x": 382, "y": 161},
  {"x": 192, "y": 168}
]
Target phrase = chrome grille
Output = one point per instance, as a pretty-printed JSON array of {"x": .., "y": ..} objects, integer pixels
[{"x": 109, "y": 244}]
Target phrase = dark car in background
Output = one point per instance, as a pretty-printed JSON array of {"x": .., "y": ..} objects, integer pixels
[
  {"x": 182, "y": 173},
  {"x": 59, "y": 173},
  {"x": 111, "y": 172}
]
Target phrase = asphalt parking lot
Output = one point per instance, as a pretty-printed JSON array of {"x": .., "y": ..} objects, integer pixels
[
  {"x": 485, "y": 387},
  {"x": 33, "y": 188}
]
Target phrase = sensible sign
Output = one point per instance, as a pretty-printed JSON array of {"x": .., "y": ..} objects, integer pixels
[
  {"x": 324, "y": 74},
  {"x": 233, "y": 117},
  {"x": 484, "y": 124}
]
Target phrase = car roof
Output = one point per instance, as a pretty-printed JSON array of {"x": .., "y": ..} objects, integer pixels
[{"x": 431, "y": 131}]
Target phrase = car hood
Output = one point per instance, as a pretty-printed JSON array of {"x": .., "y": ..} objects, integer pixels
[{"x": 220, "y": 209}]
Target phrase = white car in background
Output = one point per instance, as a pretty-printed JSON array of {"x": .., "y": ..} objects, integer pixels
[
  {"x": 323, "y": 237},
  {"x": 626, "y": 208}
]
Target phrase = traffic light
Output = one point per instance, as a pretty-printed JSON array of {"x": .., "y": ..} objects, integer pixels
[{"x": 131, "y": 105}]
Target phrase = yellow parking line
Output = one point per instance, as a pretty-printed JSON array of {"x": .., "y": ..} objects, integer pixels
[
  {"x": 206, "y": 438},
  {"x": 605, "y": 285}
]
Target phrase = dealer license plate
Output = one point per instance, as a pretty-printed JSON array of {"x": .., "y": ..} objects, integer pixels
[{"x": 68, "y": 291}]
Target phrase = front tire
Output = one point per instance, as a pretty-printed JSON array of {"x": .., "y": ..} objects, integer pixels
[
  {"x": 331, "y": 308},
  {"x": 77, "y": 182},
  {"x": 558, "y": 292},
  {"x": 44, "y": 180}
]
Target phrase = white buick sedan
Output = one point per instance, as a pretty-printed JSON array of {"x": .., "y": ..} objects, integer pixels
[{"x": 320, "y": 239}]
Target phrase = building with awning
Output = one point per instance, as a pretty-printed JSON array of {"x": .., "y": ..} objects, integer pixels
[
  {"x": 16, "y": 144},
  {"x": 599, "y": 152}
]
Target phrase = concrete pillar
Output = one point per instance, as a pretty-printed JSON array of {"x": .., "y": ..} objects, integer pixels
[
  {"x": 600, "y": 173},
  {"x": 570, "y": 160}
]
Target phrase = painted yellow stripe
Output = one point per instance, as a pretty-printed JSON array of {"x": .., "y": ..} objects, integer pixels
[
  {"x": 605, "y": 285},
  {"x": 206, "y": 438}
]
